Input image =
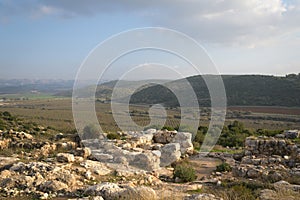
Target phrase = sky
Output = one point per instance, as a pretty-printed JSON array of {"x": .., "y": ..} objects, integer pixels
[{"x": 49, "y": 39}]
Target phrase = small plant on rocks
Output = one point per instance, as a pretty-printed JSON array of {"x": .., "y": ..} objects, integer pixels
[{"x": 184, "y": 173}]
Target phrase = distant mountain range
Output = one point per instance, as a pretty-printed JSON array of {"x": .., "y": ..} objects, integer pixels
[
  {"x": 241, "y": 90},
  {"x": 22, "y": 86}
]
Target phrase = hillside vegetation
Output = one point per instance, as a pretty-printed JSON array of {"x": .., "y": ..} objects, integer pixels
[{"x": 244, "y": 90}]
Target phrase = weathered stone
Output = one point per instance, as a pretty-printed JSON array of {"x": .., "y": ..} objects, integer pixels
[
  {"x": 164, "y": 137},
  {"x": 5, "y": 174},
  {"x": 267, "y": 194},
  {"x": 254, "y": 173},
  {"x": 111, "y": 191},
  {"x": 47, "y": 149},
  {"x": 185, "y": 141},
  {"x": 150, "y": 131},
  {"x": 6, "y": 162},
  {"x": 285, "y": 185},
  {"x": 65, "y": 157},
  {"x": 4, "y": 144},
  {"x": 292, "y": 134},
  {"x": 53, "y": 186},
  {"x": 27, "y": 136},
  {"x": 83, "y": 152},
  {"x": 147, "y": 161},
  {"x": 169, "y": 154},
  {"x": 202, "y": 197},
  {"x": 136, "y": 193},
  {"x": 18, "y": 167},
  {"x": 104, "y": 189},
  {"x": 96, "y": 167}
]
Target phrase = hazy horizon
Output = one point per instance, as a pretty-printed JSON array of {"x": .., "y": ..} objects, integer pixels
[{"x": 90, "y": 80}]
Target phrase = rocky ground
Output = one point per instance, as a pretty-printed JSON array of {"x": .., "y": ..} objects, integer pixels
[{"x": 140, "y": 165}]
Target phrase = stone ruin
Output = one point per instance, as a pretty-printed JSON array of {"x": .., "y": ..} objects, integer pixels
[
  {"x": 148, "y": 150},
  {"x": 271, "y": 158}
]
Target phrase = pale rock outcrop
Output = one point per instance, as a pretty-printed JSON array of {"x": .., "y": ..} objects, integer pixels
[{"x": 169, "y": 154}]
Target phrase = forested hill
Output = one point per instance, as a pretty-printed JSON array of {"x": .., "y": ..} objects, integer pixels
[{"x": 243, "y": 90}]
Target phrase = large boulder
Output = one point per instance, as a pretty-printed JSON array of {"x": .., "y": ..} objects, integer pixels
[
  {"x": 169, "y": 154},
  {"x": 147, "y": 161},
  {"x": 164, "y": 137},
  {"x": 185, "y": 141},
  {"x": 111, "y": 191},
  {"x": 136, "y": 193}
]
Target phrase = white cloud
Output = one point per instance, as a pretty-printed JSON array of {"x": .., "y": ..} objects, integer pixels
[{"x": 248, "y": 23}]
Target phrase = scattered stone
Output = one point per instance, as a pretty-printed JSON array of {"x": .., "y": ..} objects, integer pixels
[
  {"x": 203, "y": 196},
  {"x": 65, "y": 157},
  {"x": 267, "y": 194},
  {"x": 83, "y": 152},
  {"x": 292, "y": 134}
]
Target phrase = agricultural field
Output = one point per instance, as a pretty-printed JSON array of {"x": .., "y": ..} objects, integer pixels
[{"x": 57, "y": 113}]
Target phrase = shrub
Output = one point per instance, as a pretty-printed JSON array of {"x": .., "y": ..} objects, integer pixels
[
  {"x": 196, "y": 146},
  {"x": 6, "y": 114},
  {"x": 199, "y": 138},
  {"x": 224, "y": 167},
  {"x": 168, "y": 128},
  {"x": 113, "y": 136},
  {"x": 185, "y": 173}
]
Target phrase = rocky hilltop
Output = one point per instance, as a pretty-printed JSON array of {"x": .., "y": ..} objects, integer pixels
[{"x": 152, "y": 164}]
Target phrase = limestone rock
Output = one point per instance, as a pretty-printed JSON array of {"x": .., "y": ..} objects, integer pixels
[
  {"x": 202, "y": 197},
  {"x": 267, "y": 194},
  {"x": 164, "y": 137},
  {"x": 292, "y": 134},
  {"x": 65, "y": 157},
  {"x": 147, "y": 161},
  {"x": 185, "y": 141},
  {"x": 104, "y": 189},
  {"x": 83, "y": 152},
  {"x": 53, "y": 186},
  {"x": 169, "y": 154}
]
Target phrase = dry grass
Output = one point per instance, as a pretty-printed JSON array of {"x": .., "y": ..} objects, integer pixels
[{"x": 57, "y": 113}]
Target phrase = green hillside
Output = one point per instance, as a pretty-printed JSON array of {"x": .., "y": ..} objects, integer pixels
[{"x": 243, "y": 90}]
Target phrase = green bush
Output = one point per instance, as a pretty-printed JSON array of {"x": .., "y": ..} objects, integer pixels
[
  {"x": 113, "y": 136},
  {"x": 6, "y": 114},
  {"x": 168, "y": 128},
  {"x": 185, "y": 173},
  {"x": 196, "y": 146},
  {"x": 199, "y": 137},
  {"x": 224, "y": 167}
]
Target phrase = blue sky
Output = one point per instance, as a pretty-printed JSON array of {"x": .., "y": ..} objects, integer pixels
[{"x": 50, "y": 39}]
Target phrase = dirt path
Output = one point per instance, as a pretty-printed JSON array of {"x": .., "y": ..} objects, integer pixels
[{"x": 204, "y": 166}]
